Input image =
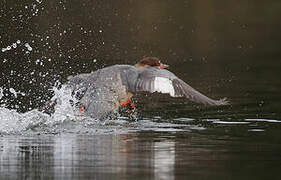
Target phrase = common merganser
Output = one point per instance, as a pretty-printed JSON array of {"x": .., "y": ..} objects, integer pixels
[{"x": 105, "y": 90}]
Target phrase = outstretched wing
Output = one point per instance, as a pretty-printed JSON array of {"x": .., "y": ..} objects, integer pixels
[{"x": 163, "y": 81}]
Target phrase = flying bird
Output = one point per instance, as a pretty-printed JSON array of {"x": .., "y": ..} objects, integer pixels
[{"x": 105, "y": 90}]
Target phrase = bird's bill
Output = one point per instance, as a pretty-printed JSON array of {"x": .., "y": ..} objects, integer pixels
[{"x": 163, "y": 66}]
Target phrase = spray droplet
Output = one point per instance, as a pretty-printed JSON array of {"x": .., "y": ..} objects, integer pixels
[{"x": 29, "y": 48}]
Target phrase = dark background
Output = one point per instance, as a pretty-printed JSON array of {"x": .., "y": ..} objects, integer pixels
[{"x": 222, "y": 48}]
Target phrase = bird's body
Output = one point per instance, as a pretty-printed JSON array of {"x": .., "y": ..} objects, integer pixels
[{"x": 105, "y": 90}]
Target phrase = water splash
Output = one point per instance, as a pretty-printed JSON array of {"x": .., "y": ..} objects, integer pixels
[
  {"x": 65, "y": 117},
  {"x": 64, "y": 100},
  {"x": 13, "y": 122},
  {"x": 1, "y": 93},
  {"x": 13, "y": 45}
]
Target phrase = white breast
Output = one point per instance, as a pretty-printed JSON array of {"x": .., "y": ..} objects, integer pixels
[{"x": 164, "y": 85}]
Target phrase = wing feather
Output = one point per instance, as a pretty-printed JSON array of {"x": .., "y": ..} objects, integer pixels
[
  {"x": 194, "y": 95},
  {"x": 163, "y": 81}
]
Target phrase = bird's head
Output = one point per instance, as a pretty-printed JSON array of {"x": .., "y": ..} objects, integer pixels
[{"x": 151, "y": 62}]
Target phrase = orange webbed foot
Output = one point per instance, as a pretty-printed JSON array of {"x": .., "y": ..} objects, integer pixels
[
  {"x": 129, "y": 105},
  {"x": 81, "y": 109}
]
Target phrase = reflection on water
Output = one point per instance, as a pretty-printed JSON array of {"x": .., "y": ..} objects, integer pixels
[
  {"x": 139, "y": 156},
  {"x": 70, "y": 156},
  {"x": 164, "y": 160}
]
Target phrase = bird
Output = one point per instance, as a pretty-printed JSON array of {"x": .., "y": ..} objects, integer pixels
[{"x": 105, "y": 90}]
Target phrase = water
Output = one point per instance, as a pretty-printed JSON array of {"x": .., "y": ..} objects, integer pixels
[
  {"x": 145, "y": 154},
  {"x": 224, "y": 50}
]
